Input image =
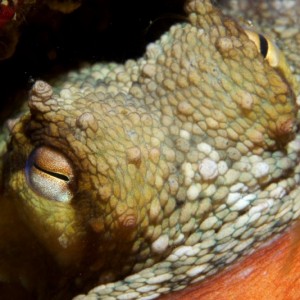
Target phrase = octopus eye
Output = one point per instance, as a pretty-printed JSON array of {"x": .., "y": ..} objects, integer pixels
[
  {"x": 267, "y": 48},
  {"x": 50, "y": 174},
  {"x": 263, "y": 46},
  {"x": 273, "y": 56}
]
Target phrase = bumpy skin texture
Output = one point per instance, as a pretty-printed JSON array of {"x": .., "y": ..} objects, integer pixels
[
  {"x": 278, "y": 19},
  {"x": 172, "y": 167}
]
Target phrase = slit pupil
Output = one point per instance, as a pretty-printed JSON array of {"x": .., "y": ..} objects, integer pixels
[
  {"x": 57, "y": 175},
  {"x": 264, "y": 47}
]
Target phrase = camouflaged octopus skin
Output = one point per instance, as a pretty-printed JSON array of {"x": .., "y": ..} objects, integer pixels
[
  {"x": 172, "y": 166},
  {"x": 277, "y": 19}
]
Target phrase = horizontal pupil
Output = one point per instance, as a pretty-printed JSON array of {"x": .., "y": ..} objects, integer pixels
[
  {"x": 264, "y": 47},
  {"x": 57, "y": 175}
]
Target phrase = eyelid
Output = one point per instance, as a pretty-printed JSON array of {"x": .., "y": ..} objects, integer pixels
[
  {"x": 50, "y": 174},
  {"x": 266, "y": 47},
  {"x": 50, "y": 159},
  {"x": 273, "y": 55}
]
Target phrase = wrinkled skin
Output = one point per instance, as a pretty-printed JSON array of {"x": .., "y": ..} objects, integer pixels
[{"x": 139, "y": 179}]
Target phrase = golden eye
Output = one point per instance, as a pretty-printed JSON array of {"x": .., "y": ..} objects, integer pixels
[
  {"x": 272, "y": 55},
  {"x": 50, "y": 174},
  {"x": 266, "y": 47}
]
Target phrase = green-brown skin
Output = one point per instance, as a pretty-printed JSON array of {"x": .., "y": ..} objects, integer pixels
[{"x": 172, "y": 167}]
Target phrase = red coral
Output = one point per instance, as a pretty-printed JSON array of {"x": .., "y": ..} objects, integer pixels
[{"x": 7, "y": 12}]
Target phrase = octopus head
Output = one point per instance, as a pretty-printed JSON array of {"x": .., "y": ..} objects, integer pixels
[{"x": 85, "y": 173}]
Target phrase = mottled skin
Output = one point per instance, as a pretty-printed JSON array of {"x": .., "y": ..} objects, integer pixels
[
  {"x": 278, "y": 19},
  {"x": 148, "y": 176}
]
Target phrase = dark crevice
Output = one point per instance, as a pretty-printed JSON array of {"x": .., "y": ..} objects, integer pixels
[{"x": 57, "y": 175}]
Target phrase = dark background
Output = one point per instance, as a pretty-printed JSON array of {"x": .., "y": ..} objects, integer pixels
[{"x": 100, "y": 30}]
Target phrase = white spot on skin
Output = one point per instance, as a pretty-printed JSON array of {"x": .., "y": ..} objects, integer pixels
[
  {"x": 294, "y": 146},
  {"x": 152, "y": 296},
  {"x": 101, "y": 289},
  {"x": 197, "y": 279},
  {"x": 243, "y": 202},
  {"x": 147, "y": 288},
  {"x": 208, "y": 169},
  {"x": 128, "y": 296},
  {"x": 278, "y": 192},
  {"x": 232, "y": 198},
  {"x": 159, "y": 278},
  {"x": 239, "y": 187},
  {"x": 161, "y": 244},
  {"x": 179, "y": 239},
  {"x": 153, "y": 50},
  {"x": 254, "y": 218},
  {"x": 196, "y": 270},
  {"x": 184, "y": 134},
  {"x": 265, "y": 206},
  {"x": 260, "y": 169},
  {"x": 193, "y": 191},
  {"x": 204, "y": 148},
  {"x": 182, "y": 250}
]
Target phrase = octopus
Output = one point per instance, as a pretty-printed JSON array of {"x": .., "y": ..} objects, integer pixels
[{"x": 135, "y": 180}]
